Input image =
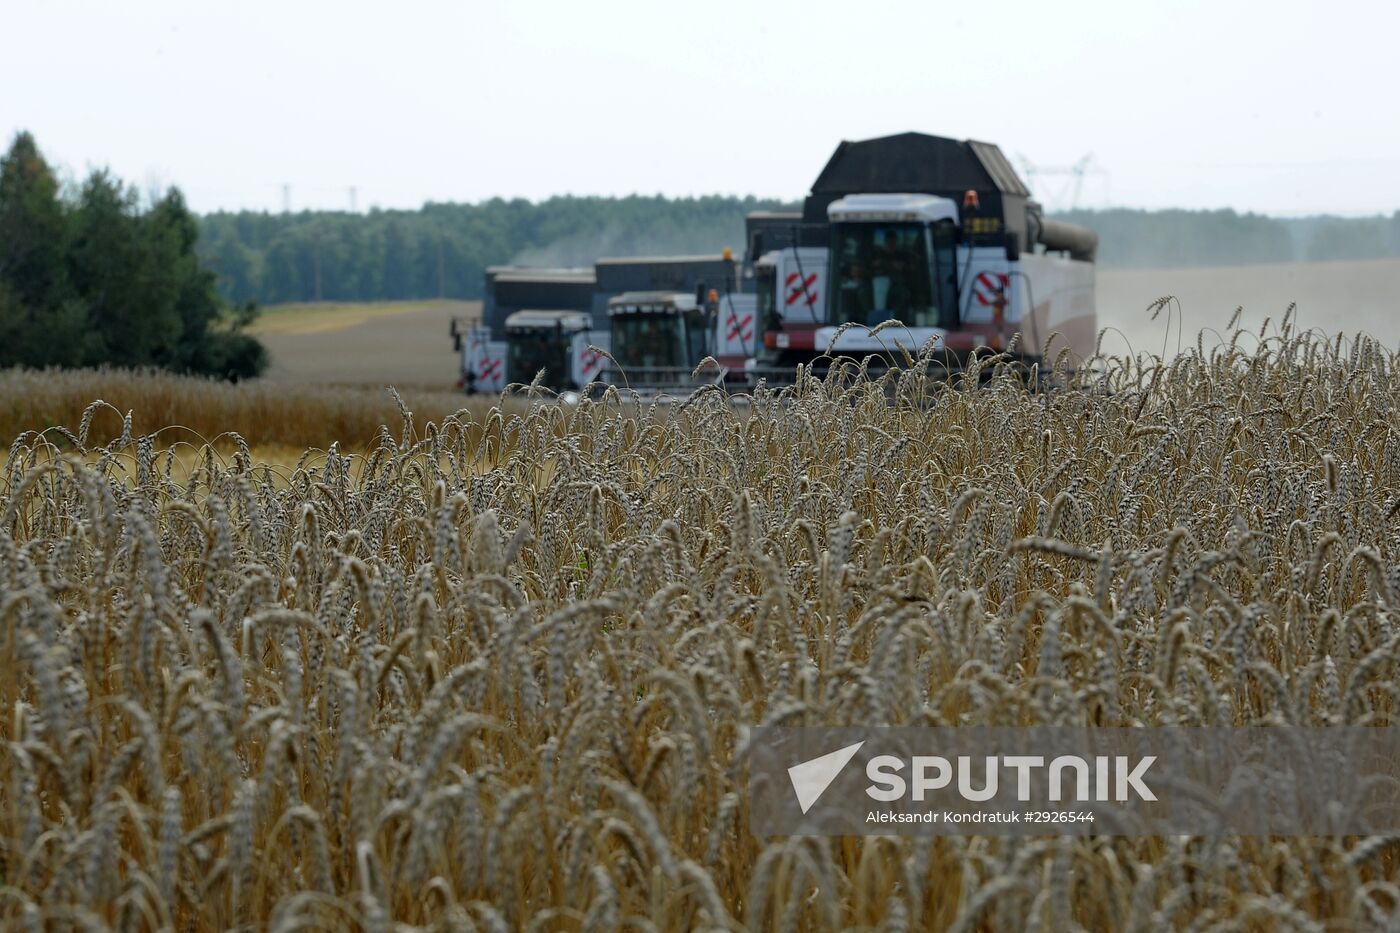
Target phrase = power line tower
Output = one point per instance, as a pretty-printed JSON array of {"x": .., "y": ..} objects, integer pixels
[{"x": 1066, "y": 182}]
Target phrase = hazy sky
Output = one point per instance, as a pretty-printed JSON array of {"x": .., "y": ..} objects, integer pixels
[{"x": 1279, "y": 107}]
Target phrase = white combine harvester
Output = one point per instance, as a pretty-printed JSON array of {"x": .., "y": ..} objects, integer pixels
[
  {"x": 938, "y": 235},
  {"x": 559, "y": 347},
  {"x": 959, "y": 274},
  {"x": 659, "y": 339}
]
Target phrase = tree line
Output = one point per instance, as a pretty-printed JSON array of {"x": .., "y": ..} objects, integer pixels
[
  {"x": 442, "y": 250},
  {"x": 93, "y": 276}
]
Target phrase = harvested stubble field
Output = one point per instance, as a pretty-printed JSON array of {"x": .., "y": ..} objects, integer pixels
[
  {"x": 497, "y": 672},
  {"x": 399, "y": 342}
]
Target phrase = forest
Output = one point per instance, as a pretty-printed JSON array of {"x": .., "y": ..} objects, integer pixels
[{"x": 442, "y": 249}]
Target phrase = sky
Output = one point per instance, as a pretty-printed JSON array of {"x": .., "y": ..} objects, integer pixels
[{"x": 1277, "y": 107}]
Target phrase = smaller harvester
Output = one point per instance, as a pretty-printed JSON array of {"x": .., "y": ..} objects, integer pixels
[
  {"x": 658, "y": 339},
  {"x": 556, "y": 344}
]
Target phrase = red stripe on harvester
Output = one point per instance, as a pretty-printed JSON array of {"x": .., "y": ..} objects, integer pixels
[
  {"x": 739, "y": 328},
  {"x": 805, "y": 287}
]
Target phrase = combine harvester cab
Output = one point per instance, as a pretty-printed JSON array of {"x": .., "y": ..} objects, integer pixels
[
  {"x": 659, "y": 338},
  {"x": 557, "y": 342},
  {"x": 894, "y": 258},
  {"x": 928, "y": 232}
]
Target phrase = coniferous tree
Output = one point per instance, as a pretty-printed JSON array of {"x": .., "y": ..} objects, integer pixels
[
  {"x": 96, "y": 279},
  {"x": 40, "y": 318}
]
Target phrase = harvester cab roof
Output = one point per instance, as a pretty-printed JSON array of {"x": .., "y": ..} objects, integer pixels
[
  {"x": 652, "y": 303},
  {"x": 562, "y": 321},
  {"x": 906, "y": 208}
]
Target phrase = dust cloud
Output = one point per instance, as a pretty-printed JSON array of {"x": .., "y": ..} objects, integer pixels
[{"x": 1347, "y": 297}]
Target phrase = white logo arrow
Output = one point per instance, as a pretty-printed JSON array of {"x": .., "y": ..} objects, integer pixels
[{"x": 811, "y": 778}]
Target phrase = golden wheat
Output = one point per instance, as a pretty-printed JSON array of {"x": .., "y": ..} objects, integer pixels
[
  {"x": 497, "y": 672},
  {"x": 192, "y": 409}
]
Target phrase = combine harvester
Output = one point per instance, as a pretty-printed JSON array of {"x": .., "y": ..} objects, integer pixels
[
  {"x": 669, "y": 317},
  {"x": 526, "y": 321},
  {"x": 937, "y": 234},
  {"x": 559, "y": 348},
  {"x": 660, "y": 339}
]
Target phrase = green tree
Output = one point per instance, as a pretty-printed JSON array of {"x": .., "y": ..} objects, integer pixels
[
  {"x": 111, "y": 261},
  {"x": 41, "y": 321},
  {"x": 31, "y": 225},
  {"x": 96, "y": 279},
  {"x": 176, "y": 276},
  {"x": 235, "y": 264}
]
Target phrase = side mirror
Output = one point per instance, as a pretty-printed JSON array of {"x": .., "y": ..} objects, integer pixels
[{"x": 1013, "y": 247}]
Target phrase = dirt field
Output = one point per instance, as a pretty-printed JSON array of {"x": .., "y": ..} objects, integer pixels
[
  {"x": 1333, "y": 296},
  {"x": 401, "y": 343},
  {"x": 406, "y": 343}
]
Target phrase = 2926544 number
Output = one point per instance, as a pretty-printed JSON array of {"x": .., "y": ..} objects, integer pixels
[{"x": 1059, "y": 816}]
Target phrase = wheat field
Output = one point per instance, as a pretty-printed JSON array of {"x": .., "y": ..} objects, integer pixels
[
  {"x": 177, "y": 410},
  {"x": 497, "y": 672}
]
